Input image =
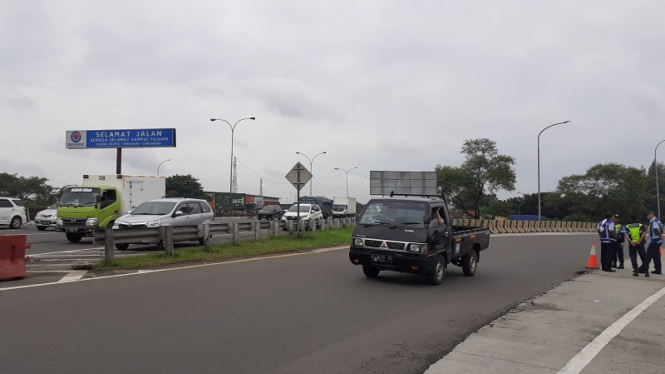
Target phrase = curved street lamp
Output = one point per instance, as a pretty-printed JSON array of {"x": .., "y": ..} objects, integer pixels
[
  {"x": 655, "y": 165},
  {"x": 347, "y": 178},
  {"x": 311, "y": 167},
  {"x": 233, "y": 128},
  {"x": 558, "y": 123},
  {"x": 160, "y": 165}
]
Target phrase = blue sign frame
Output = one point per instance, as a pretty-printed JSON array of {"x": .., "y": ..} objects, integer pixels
[{"x": 128, "y": 138}]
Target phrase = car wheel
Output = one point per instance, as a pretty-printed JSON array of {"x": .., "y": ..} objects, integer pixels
[
  {"x": 370, "y": 271},
  {"x": 41, "y": 228},
  {"x": 74, "y": 238},
  {"x": 15, "y": 223},
  {"x": 202, "y": 241},
  {"x": 435, "y": 277},
  {"x": 469, "y": 263},
  {"x": 121, "y": 247},
  {"x": 161, "y": 245}
]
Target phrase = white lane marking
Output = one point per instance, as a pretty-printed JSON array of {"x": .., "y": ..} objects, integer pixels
[
  {"x": 62, "y": 252},
  {"x": 584, "y": 357},
  {"x": 73, "y": 276},
  {"x": 143, "y": 272}
]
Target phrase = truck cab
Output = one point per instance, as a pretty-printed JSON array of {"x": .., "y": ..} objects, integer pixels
[
  {"x": 405, "y": 234},
  {"x": 83, "y": 209}
]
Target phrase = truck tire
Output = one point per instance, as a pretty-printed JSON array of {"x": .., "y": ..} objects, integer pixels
[
  {"x": 41, "y": 228},
  {"x": 73, "y": 237},
  {"x": 15, "y": 223},
  {"x": 435, "y": 277},
  {"x": 121, "y": 247},
  {"x": 370, "y": 271},
  {"x": 469, "y": 263}
]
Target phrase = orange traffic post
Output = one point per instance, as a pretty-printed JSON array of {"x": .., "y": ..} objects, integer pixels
[
  {"x": 593, "y": 259},
  {"x": 12, "y": 256}
]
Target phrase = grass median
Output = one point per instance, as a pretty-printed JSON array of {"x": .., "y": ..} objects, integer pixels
[{"x": 248, "y": 248}]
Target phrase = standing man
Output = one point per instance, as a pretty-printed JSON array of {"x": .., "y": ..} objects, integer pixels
[
  {"x": 608, "y": 238},
  {"x": 617, "y": 259},
  {"x": 635, "y": 233},
  {"x": 653, "y": 251}
]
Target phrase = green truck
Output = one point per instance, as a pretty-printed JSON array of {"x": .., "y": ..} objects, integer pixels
[{"x": 101, "y": 199}]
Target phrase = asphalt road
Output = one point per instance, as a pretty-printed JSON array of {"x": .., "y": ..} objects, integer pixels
[
  {"x": 310, "y": 313},
  {"x": 47, "y": 241}
]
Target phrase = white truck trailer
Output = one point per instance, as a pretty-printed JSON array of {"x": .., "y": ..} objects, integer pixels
[{"x": 344, "y": 207}]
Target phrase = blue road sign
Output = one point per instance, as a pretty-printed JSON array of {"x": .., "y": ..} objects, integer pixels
[{"x": 134, "y": 138}]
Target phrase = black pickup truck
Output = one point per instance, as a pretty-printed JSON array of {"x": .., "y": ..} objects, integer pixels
[{"x": 404, "y": 234}]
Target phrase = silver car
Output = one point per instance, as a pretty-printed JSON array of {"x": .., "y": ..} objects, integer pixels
[
  {"x": 165, "y": 212},
  {"x": 47, "y": 217}
]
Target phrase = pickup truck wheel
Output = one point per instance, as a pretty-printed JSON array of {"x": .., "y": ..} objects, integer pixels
[
  {"x": 370, "y": 271},
  {"x": 74, "y": 238},
  {"x": 435, "y": 277},
  {"x": 121, "y": 247},
  {"x": 469, "y": 263}
]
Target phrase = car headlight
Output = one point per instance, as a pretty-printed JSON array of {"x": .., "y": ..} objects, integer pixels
[
  {"x": 39, "y": 215},
  {"x": 418, "y": 248},
  {"x": 358, "y": 242},
  {"x": 91, "y": 222},
  {"x": 58, "y": 221},
  {"x": 154, "y": 223}
]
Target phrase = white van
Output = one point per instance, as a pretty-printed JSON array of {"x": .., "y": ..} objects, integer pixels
[{"x": 12, "y": 212}]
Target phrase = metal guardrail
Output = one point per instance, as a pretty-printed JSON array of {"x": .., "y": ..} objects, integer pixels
[{"x": 166, "y": 236}]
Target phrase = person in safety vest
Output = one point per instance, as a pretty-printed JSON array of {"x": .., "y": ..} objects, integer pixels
[
  {"x": 655, "y": 241},
  {"x": 634, "y": 235},
  {"x": 618, "y": 253},
  {"x": 608, "y": 238}
]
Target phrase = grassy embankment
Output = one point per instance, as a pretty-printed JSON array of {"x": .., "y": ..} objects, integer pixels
[{"x": 249, "y": 248}]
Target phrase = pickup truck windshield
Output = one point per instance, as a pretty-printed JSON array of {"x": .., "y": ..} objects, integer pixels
[
  {"x": 338, "y": 207},
  {"x": 394, "y": 212},
  {"x": 159, "y": 208},
  {"x": 79, "y": 196}
]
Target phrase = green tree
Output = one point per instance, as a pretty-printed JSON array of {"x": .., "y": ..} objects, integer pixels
[
  {"x": 184, "y": 186},
  {"x": 31, "y": 189},
  {"x": 603, "y": 188},
  {"x": 483, "y": 172},
  {"x": 651, "y": 185}
]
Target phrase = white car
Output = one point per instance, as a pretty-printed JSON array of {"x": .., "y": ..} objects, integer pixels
[
  {"x": 174, "y": 211},
  {"x": 12, "y": 212},
  {"x": 308, "y": 212},
  {"x": 47, "y": 217}
]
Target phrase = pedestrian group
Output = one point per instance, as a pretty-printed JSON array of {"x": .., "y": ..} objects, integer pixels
[{"x": 613, "y": 235}]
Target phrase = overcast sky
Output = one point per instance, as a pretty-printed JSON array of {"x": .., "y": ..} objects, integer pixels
[{"x": 381, "y": 85}]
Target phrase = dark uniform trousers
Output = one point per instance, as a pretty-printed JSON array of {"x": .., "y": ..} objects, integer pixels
[
  {"x": 607, "y": 254},
  {"x": 653, "y": 252},
  {"x": 633, "y": 252},
  {"x": 618, "y": 254}
]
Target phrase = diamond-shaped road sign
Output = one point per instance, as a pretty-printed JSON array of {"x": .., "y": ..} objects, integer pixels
[{"x": 298, "y": 176}]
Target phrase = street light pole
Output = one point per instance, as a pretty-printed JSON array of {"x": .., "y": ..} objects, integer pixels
[
  {"x": 558, "y": 123},
  {"x": 233, "y": 128},
  {"x": 160, "y": 165},
  {"x": 655, "y": 164},
  {"x": 311, "y": 167},
  {"x": 347, "y": 178}
]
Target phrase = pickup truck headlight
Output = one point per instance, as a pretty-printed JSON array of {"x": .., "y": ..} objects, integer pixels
[
  {"x": 58, "y": 221},
  {"x": 154, "y": 223},
  {"x": 418, "y": 248},
  {"x": 91, "y": 222},
  {"x": 358, "y": 242}
]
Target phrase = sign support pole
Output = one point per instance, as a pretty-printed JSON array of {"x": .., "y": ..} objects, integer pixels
[
  {"x": 298, "y": 204},
  {"x": 118, "y": 161}
]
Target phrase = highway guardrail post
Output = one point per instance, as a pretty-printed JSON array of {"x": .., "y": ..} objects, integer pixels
[
  {"x": 257, "y": 229},
  {"x": 168, "y": 241},
  {"x": 109, "y": 246},
  {"x": 206, "y": 237},
  {"x": 236, "y": 232}
]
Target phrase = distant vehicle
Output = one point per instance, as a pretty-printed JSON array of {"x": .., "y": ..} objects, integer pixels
[
  {"x": 173, "y": 211},
  {"x": 271, "y": 212},
  {"x": 101, "y": 200},
  {"x": 308, "y": 212},
  {"x": 12, "y": 212},
  {"x": 403, "y": 234},
  {"x": 323, "y": 202},
  {"x": 344, "y": 207},
  {"x": 47, "y": 217}
]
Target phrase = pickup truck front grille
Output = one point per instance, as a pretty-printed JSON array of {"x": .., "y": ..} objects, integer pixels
[{"x": 391, "y": 245}]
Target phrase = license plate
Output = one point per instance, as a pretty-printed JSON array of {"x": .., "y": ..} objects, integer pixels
[
  {"x": 69, "y": 229},
  {"x": 382, "y": 258}
]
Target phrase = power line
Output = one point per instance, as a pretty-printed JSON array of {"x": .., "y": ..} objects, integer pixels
[{"x": 259, "y": 175}]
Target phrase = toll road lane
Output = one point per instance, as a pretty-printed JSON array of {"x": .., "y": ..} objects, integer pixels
[{"x": 305, "y": 313}]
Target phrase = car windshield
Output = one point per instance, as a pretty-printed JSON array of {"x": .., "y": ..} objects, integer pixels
[
  {"x": 394, "y": 212},
  {"x": 54, "y": 206},
  {"x": 303, "y": 208},
  {"x": 158, "y": 208},
  {"x": 79, "y": 196},
  {"x": 339, "y": 207}
]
